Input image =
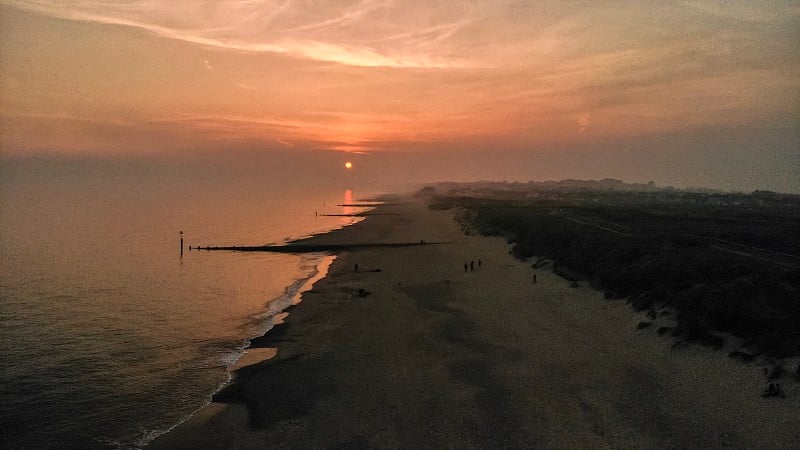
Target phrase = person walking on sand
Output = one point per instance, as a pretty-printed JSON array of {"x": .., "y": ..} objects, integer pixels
[
  {"x": 472, "y": 265},
  {"x": 534, "y": 278},
  {"x": 355, "y": 269},
  {"x": 479, "y": 264},
  {"x": 466, "y": 267}
]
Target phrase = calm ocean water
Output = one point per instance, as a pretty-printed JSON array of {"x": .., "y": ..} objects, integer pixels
[{"x": 108, "y": 336}]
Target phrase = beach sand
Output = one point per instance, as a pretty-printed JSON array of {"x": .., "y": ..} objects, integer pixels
[{"x": 436, "y": 357}]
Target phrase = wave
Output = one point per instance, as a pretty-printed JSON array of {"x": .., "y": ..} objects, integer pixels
[{"x": 317, "y": 266}]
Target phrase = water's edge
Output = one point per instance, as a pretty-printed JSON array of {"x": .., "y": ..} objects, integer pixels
[{"x": 291, "y": 296}]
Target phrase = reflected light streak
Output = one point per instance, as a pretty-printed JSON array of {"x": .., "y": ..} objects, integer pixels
[{"x": 348, "y": 200}]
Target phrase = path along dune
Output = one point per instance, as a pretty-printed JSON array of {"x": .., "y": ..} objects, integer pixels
[{"x": 436, "y": 357}]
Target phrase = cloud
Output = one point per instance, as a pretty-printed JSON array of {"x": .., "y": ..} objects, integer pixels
[
  {"x": 524, "y": 73},
  {"x": 349, "y": 16},
  {"x": 246, "y": 26},
  {"x": 363, "y": 56}
]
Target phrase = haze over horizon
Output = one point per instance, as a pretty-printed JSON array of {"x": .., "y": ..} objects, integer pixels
[{"x": 699, "y": 94}]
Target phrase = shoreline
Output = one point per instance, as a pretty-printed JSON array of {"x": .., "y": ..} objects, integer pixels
[
  {"x": 272, "y": 313},
  {"x": 276, "y": 312},
  {"x": 433, "y": 351}
]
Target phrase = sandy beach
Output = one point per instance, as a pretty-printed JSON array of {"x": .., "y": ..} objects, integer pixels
[{"x": 439, "y": 357}]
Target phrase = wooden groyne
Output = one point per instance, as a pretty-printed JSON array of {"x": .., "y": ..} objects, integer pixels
[
  {"x": 358, "y": 214},
  {"x": 312, "y": 248},
  {"x": 367, "y": 205}
]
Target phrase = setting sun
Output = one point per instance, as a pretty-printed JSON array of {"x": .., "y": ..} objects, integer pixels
[{"x": 348, "y": 165}]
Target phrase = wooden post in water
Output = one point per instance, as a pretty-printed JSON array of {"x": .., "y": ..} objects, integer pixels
[{"x": 181, "y": 233}]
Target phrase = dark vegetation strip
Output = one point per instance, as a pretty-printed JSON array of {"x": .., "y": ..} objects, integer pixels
[{"x": 665, "y": 259}]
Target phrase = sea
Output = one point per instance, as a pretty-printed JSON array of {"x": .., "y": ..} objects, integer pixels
[{"x": 109, "y": 336}]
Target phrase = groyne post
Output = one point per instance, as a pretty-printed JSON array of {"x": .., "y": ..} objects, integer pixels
[{"x": 181, "y": 234}]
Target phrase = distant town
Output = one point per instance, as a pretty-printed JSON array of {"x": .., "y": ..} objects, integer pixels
[{"x": 609, "y": 190}]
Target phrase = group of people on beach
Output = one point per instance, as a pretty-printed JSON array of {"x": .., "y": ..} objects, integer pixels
[{"x": 470, "y": 266}]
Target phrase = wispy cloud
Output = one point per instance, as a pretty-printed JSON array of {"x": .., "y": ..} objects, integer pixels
[
  {"x": 348, "y": 132},
  {"x": 247, "y": 27},
  {"x": 350, "y": 15}
]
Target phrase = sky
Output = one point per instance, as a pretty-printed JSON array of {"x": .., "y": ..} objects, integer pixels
[{"x": 683, "y": 93}]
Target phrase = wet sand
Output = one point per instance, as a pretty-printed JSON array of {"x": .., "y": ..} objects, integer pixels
[{"x": 436, "y": 357}]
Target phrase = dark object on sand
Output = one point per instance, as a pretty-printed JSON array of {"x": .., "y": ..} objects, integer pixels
[
  {"x": 479, "y": 264},
  {"x": 679, "y": 345},
  {"x": 663, "y": 330},
  {"x": 472, "y": 265},
  {"x": 363, "y": 293},
  {"x": 539, "y": 263},
  {"x": 712, "y": 340},
  {"x": 355, "y": 269},
  {"x": 466, "y": 267},
  {"x": 534, "y": 278},
  {"x": 776, "y": 372},
  {"x": 643, "y": 324},
  {"x": 741, "y": 356},
  {"x": 773, "y": 390}
]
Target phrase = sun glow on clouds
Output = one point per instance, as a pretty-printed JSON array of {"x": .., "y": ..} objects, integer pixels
[{"x": 361, "y": 75}]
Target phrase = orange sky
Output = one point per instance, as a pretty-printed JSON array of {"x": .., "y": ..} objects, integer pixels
[{"x": 99, "y": 77}]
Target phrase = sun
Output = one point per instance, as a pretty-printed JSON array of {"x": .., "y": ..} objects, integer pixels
[{"x": 348, "y": 165}]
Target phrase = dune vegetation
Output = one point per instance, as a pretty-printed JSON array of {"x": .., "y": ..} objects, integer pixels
[{"x": 718, "y": 266}]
